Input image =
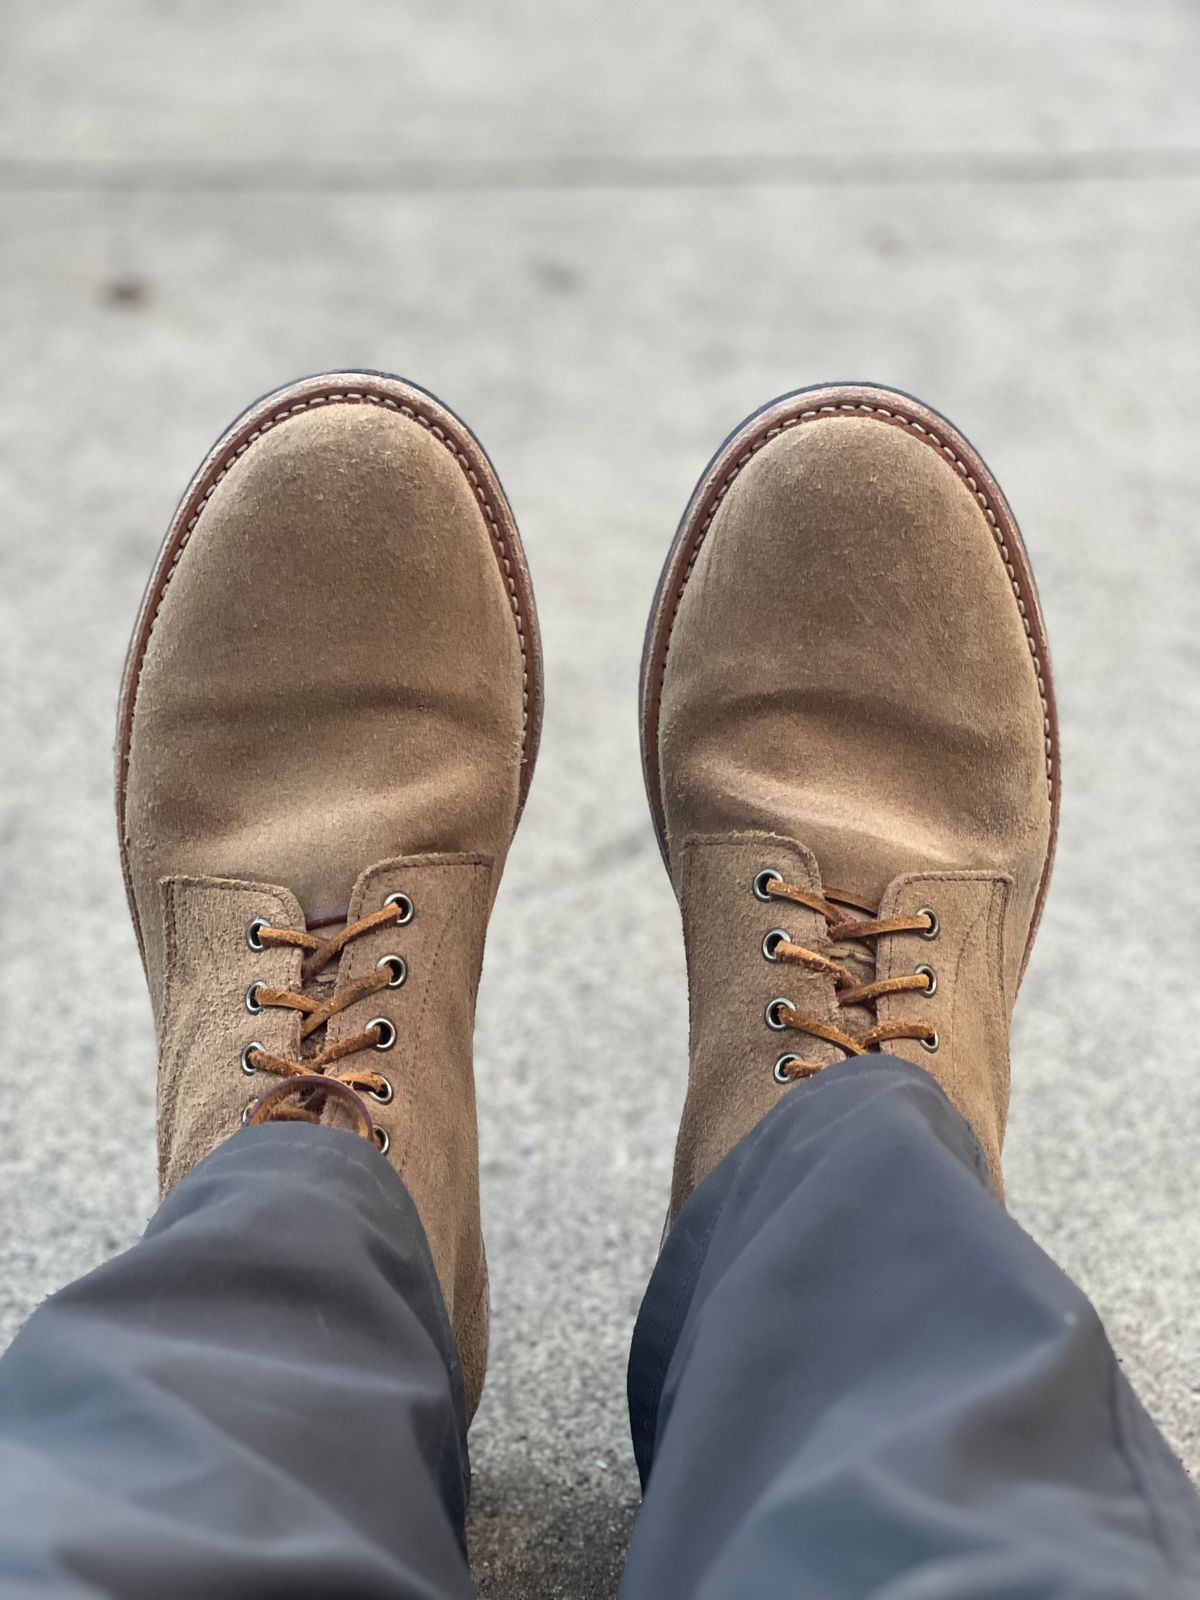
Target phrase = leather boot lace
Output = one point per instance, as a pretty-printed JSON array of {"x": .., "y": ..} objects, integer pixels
[
  {"x": 308, "y": 1084},
  {"x": 850, "y": 920}
]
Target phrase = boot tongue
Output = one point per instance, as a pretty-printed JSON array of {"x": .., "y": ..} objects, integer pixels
[
  {"x": 859, "y": 957},
  {"x": 322, "y": 984}
]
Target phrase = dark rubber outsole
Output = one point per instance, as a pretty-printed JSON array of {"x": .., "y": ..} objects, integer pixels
[
  {"x": 897, "y": 409},
  {"x": 362, "y": 388}
]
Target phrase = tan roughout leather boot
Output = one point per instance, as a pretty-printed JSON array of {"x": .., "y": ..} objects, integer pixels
[
  {"x": 327, "y": 730},
  {"x": 850, "y": 750}
]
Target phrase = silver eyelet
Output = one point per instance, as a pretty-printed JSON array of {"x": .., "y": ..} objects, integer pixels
[
  {"x": 246, "y": 1110},
  {"x": 248, "y": 1066},
  {"x": 253, "y": 929},
  {"x": 382, "y": 1140},
  {"x": 252, "y": 1002},
  {"x": 762, "y": 879},
  {"x": 405, "y": 910},
  {"x": 931, "y": 932},
  {"x": 398, "y": 967},
  {"x": 384, "y": 1096},
  {"x": 930, "y": 1042},
  {"x": 772, "y": 1013},
  {"x": 781, "y": 1074},
  {"x": 772, "y": 941},
  {"x": 930, "y": 977},
  {"x": 387, "y": 1033}
]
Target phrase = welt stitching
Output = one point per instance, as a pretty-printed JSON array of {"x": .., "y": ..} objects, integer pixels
[
  {"x": 357, "y": 397},
  {"x": 932, "y": 439}
]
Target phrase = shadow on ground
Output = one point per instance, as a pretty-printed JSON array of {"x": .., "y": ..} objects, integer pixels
[{"x": 533, "y": 1535}]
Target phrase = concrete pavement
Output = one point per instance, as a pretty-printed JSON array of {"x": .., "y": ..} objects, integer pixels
[{"x": 603, "y": 234}]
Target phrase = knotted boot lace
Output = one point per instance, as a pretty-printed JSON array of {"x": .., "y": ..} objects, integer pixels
[
  {"x": 308, "y": 1082},
  {"x": 849, "y": 919}
]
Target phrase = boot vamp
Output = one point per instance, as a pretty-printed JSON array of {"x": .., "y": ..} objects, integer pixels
[
  {"x": 849, "y": 667},
  {"x": 334, "y": 676}
]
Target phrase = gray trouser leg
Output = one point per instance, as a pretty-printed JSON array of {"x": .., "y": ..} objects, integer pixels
[
  {"x": 261, "y": 1399},
  {"x": 855, "y": 1376}
]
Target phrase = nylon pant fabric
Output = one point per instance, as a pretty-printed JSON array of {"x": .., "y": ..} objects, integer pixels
[
  {"x": 853, "y": 1375},
  {"x": 259, "y": 1401}
]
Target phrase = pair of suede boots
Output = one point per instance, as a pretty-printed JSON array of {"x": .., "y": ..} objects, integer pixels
[{"x": 328, "y": 728}]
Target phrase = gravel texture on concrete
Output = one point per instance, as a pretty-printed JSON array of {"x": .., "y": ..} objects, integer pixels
[{"x": 603, "y": 234}]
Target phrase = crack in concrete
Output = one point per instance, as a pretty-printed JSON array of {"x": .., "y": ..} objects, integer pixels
[{"x": 420, "y": 174}]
